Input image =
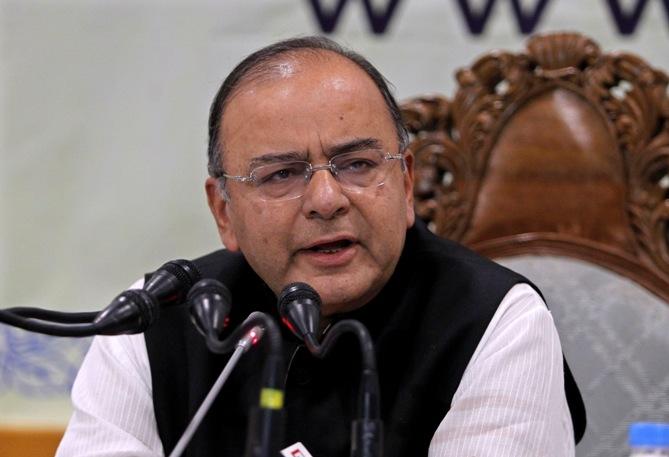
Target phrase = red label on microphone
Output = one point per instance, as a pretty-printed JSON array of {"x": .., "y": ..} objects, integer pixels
[{"x": 296, "y": 450}]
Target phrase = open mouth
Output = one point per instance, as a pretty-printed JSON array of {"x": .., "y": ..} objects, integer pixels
[{"x": 331, "y": 248}]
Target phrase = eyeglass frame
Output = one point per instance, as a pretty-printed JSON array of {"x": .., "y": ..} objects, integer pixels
[{"x": 222, "y": 176}]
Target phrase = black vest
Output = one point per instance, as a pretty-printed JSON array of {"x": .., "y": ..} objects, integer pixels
[{"x": 426, "y": 324}]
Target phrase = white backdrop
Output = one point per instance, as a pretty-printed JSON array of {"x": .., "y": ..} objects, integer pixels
[{"x": 103, "y": 127}]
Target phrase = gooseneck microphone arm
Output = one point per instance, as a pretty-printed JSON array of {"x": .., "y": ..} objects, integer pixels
[
  {"x": 130, "y": 312},
  {"x": 367, "y": 428},
  {"x": 77, "y": 329},
  {"x": 368, "y": 407},
  {"x": 53, "y": 316},
  {"x": 265, "y": 431},
  {"x": 299, "y": 307}
]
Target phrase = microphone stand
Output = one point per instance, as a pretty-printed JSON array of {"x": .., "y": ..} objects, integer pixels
[
  {"x": 299, "y": 307},
  {"x": 266, "y": 423},
  {"x": 242, "y": 346}
]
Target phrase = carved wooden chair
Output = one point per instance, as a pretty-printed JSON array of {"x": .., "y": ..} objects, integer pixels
[{"x": 555, "y": 161}]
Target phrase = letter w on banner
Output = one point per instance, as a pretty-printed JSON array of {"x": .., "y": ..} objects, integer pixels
[{"x": 378, "y": 20}]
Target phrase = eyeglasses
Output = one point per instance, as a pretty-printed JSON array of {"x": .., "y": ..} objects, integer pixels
[{"x": 288, "y": 179}]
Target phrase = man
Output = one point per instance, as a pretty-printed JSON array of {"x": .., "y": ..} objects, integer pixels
[{"x": 310, "y": 180}]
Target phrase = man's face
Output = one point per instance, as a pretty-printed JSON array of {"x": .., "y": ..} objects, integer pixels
[{"x": 344, "y": 244}]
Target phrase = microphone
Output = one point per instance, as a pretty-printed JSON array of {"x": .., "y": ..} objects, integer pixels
[
  {"x": 171, "y": 282},
  {"x": 300, "y": 310},
  {"x": 299, "y": 307},
  {"x": 134, "y": 310},
  {"x": 210, "y": 304}
]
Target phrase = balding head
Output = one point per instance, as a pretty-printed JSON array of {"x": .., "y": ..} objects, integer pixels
[{"x": 281, "y": 60}]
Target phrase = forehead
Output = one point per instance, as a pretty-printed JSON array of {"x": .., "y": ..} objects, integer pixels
[{"x": 304, "y": 103}]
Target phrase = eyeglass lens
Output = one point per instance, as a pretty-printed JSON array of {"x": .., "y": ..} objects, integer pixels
[{"x": 354, "y": 171}]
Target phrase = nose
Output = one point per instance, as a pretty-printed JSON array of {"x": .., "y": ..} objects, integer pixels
[{"x": 323, "y": 197}]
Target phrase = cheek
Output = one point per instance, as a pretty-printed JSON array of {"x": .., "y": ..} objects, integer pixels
[
  {"x": 262, "y": 229},
  {"x": 391, "y": 204},
  {"x": 385, "y": 215}
]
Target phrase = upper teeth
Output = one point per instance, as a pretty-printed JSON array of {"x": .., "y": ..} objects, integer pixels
[{"x": 328, "y": 249}]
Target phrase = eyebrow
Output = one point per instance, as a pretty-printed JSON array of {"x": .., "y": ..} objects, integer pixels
[
  {"x": 357, "y": 144},
  {"x": 274, "y": 157}
]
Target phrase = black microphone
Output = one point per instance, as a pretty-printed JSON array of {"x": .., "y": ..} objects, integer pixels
[
  {"x": 171, "y": 282},
  {"x": 210, "y": 304},
  {"x": 134, "y": 310},
  {"x": 300, "y": 310},
  {"x": 299, "y": 307}
]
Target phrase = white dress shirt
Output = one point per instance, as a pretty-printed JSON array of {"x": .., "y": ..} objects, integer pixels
[{"x": 510, "y": 401}]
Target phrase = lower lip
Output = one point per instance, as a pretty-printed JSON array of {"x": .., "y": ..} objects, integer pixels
[{"x": 338, "y": 258}]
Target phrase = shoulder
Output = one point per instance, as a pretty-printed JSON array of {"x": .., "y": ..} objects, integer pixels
[
  {"x": 513, "y": 385},
  {"x": 219, "y": 263},
  {"x": 449, "y": 265},
  {"x": 522, "y": 313},
  {"x": 432, "y": 248}
]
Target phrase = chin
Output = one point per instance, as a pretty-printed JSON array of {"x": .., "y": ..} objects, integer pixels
[{"x": 341, "y": 299}]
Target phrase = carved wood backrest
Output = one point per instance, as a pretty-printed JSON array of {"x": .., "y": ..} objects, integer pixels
[{"x": 560, "y": 149}]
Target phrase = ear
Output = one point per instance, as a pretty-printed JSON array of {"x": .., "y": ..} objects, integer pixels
[
  {"x": 408, "y": 187},
  {"x": 220, "y": 209}
]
